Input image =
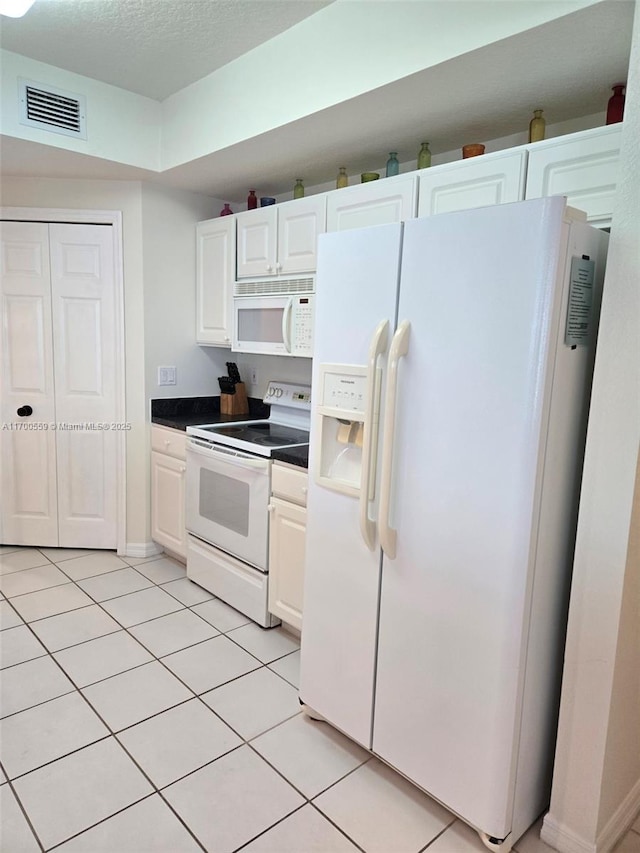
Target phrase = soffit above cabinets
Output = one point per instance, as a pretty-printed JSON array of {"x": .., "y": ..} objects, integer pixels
[{"x": 565, "y": 66}]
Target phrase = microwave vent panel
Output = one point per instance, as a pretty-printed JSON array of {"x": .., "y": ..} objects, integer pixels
[
  {"x": 274, "y": 287},
  {"x": 51, "y": 109}
]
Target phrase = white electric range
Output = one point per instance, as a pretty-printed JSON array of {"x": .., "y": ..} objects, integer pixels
[{"x": 228, "y": 491}]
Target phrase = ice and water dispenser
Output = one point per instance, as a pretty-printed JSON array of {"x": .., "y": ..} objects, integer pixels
[{"x": 340, "y": 414}]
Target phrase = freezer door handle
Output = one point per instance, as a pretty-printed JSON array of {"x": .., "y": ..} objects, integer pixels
[
  {"x": 399, "y": 348},
  {"x": 377, "y": 347}
]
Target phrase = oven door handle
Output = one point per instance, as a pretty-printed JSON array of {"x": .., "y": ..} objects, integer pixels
[
  {"x": 210, "y": 451},
  {"x": 286, "y": 324}
]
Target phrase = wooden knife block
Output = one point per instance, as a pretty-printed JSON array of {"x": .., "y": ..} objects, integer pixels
[{"x": 235, "y": 404}]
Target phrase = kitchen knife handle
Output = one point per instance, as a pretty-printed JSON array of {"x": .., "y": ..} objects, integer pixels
[
  {"x": 398, "y": 349},
  {"x": 377, "y": 347}
]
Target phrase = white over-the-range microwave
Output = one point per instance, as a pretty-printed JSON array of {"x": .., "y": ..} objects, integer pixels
[{"x": 274, "y": 316}]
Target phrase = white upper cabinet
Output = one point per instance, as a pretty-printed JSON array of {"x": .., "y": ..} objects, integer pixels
[
  {"x": 374, "y": 203},
  {"x": 215, "y": 274},
  {"x": 476, "y": 182},
  {"x": 280, "y": 239},
  {"x": 257, "y": 242},
  {"x": 583, "y": 167}
]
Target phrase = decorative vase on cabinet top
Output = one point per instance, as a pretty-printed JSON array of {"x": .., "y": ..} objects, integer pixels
[
  {"x": 369, "y": 176},
  {"x": 393, "y": 167},
  {"x": 537, "y": 127},
  {"x": 474, "y": 149},
  {"x": 298, "y": 190},
  {"x": 342, "y": 180},
  {"x": 615, "y": 107},
  {"x": 252, "y": 201},
  {"x": 226, "y": 210},
  {"x": 424, "y": 156}
]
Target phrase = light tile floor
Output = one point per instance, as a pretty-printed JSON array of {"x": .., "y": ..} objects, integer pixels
[{"x": 139, "y": 714}]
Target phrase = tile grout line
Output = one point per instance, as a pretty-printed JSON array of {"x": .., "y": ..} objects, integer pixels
[
  {"x": 245, "y": 742},
  {"x": 111, "y": 734},
  {"x": 24, "y": 812},
  {"x": 441, "y": 833}
]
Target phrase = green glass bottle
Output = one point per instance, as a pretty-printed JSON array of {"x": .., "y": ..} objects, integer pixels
[
  {"x": 298, "y": 190},
  {"x": 343, "y": 179},
  {"x": 537, "y": 127},
  {"x": 424, "y": 156}
]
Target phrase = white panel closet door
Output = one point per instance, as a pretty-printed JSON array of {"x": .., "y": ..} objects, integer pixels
[
  {"x": 84, "y": 344},
  {"x": 28, "y": 510}
]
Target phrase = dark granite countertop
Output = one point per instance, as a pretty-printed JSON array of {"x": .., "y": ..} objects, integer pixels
[
  {"x": 298, "y": 455},
  {"x": 181, "y": 412}
]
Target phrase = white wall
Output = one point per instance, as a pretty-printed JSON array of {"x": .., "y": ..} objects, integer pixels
[
  {"x": 121, "y": 126},
  {"x": 169, "y": 248},
  {"x": 278, "y": 82},
  {"x": 596, "y": 785},
  {"x": 159, "y": 299},
  {"x": 127, "y": 197}
]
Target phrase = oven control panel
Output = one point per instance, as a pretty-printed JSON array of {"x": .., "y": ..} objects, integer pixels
[{"x": 286, "y": 394}]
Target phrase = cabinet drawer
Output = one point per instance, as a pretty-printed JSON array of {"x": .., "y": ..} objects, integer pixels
[
  {"x": 170, "y": 441},
  {"x": 289, "y": 483}
]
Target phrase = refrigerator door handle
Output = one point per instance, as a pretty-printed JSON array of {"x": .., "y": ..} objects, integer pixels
[
  {"x": 377, "y": 347},
  {"x": 399, "y": 348},
  {"x": 286, "y": 323}
]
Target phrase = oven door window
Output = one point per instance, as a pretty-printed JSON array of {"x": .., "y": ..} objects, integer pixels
[
  {"x": 224, "y": 501},
  {"x": 260, "y": 325}
]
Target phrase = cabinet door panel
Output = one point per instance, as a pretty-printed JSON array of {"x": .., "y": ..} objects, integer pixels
[
  {"x": 476, "y": 182},
  {"x": 375, "y": 203},
  {"x": 167, "y": 503},
  {"x": 28, "y": 514},
  {"x": 216, "y": 264},
  {"x": 257, "y": 242},
  {"x": 287, "y": 535},
  {"x": 584, "y": 169},
  {"x": 299, "y": 223}
]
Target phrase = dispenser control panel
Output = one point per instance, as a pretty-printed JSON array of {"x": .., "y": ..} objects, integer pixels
[{"x": 344, "y": 387}]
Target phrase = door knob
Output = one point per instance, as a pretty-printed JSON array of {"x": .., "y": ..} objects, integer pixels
[{"x": 24, "y": 411}]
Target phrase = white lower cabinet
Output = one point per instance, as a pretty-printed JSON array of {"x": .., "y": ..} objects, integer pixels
[
  {"x": 287, "y": 534},
  {"x": 582, "y": 166},
  {"x": 476, "y": 182},
  {"x": 168, "y": 467}
]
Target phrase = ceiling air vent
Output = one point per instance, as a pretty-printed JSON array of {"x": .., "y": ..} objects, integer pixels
[{"x": 52, "y": 109}]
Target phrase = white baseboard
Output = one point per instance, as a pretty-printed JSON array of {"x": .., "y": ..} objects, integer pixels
[
  {"x": 561, "y": 838},
  {"x": 141, "y": 549},
  {"x": 565, "y": 840},
  {"x": 620, "y": 821}
]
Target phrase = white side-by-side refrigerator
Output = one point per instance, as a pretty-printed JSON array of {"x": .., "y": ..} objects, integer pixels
[{"x": 452, "y": 367}]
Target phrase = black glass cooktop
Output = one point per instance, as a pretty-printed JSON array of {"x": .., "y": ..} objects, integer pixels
[{"x": 262, "y": 432}]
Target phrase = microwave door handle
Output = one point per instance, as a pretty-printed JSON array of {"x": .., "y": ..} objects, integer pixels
[
  {"x": 377, "y": 347},
  {"x": 286, "y": 324},
  {"x": 399, "y": 348}
]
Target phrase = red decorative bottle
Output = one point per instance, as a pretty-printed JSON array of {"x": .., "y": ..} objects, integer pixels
[
  {"x": 226, "y": 210},
  {"x": 615, "y": 107},
  {"x": 252, "y": 201}
]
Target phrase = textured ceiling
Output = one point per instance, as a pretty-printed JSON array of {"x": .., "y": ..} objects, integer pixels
[
  {"x": 151, "y": 47},
  {"x": 480, "y": 96}
]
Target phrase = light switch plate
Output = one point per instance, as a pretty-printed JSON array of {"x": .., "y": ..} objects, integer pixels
[{"x": 167, "y": 375}]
